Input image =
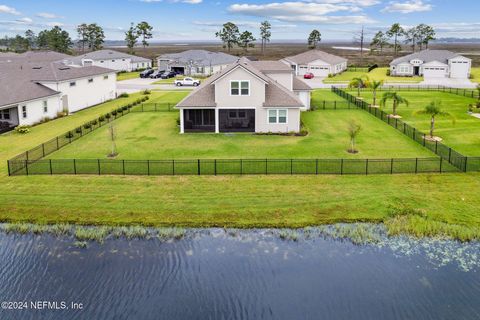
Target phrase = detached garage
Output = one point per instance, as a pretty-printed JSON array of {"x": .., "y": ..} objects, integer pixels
[{"x": 320, "y": 63}]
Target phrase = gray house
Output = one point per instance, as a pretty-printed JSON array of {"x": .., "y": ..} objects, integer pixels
[
  {"x": 116, "y": 60},
  {"x": 195, "y": 62},
  {"x": 432, "y": 64}
]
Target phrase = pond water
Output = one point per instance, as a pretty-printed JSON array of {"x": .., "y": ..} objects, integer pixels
[{"x": 250, "y": 274}]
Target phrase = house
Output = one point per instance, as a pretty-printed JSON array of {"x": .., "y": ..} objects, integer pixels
[
  {"x": 246, "y": 96},
  {"x": 111, "y": 59},
  {"x": 34, "y": 88},
  {"x": 320, "y": 63},
  {"x": 432, "y": 64},
  {"x": 195, "y": 62}
]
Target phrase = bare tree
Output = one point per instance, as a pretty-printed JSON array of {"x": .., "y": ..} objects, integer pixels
[
  {"x": 113, "y": 136},
  {"x": 359, "y": 38}
]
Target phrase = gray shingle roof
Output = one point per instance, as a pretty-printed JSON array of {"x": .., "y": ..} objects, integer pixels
[
  {"x": 312, "y": 55},
  {"x": 201, "y": 57},
  {"x": 108, "y": 54},
  {"x": 271, "y": 66},
  {"x": 275, "y": 94},
  {"x": 299, "y": 85},
  {"x": 427, "y": 56}
]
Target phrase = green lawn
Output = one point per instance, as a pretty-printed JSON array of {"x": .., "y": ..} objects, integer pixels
[
  {"x": 320, "y": 95},
  {"x": 463, "y": 135},
  {"x": 378, "y": 74},
  {"x": 127, "y": 75},
  {"x": 475, "y": 72},
  {"x": 231, "y": 201}
]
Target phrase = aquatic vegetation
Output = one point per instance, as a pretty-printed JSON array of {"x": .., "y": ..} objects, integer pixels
[
  {"x": 80, "y": 244},
  {"x": 21, "y": 228},
  {"x": 134, "y": 232},
  {"x": 91, "y": 233},
  {"x": 288, "y": 234},
  {"x": 171, "y": 233}
]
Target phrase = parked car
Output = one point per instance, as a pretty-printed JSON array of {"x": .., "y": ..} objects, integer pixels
[
  {"x": 308, "y": 75},
  {"x": 157, "y": 74},
  {"x": 187, "y": 82},
  {"x": 168, "y": 75},
  {"x": 146, "y": 73}
]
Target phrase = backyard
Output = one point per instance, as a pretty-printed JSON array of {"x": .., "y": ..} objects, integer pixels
[
  {"x": 378, "y": 74},
  {"x": 462, "y": 134},
  {"x": 127, "y": 75}
]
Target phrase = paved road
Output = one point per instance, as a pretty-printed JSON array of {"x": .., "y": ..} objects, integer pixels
[{"x": 139, "y": 84}]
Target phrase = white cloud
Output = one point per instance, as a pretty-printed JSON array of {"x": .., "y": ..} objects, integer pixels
[
  {"x": 311, "y": 12},
  {"x": 47, "y": 15},
  {"x": 25, "y": 20},
  {"x": 174, "y": 1},
  {"x": 408, "y": 6},
  {"x": 55, "y": 24},
  {"x": 9, "y": 10}
]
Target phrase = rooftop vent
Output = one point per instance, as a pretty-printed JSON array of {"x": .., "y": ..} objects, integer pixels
[{"x": 64, "y": 68}]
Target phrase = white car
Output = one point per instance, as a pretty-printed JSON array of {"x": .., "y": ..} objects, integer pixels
[{"x": 187, "y": 82}]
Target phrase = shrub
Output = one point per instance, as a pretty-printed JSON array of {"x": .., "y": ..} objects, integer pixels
[
  {"x": 124, "y": 95},
  {"x": 114, "y": 113},
  {"x": 78, "y": 130},
  {"x": 94, "y": 122},
  {"x": 139, "y": 100},
  {"x": 120, "y": 110},
  {"x": 87, "y": 125},
  {"x": 129, "y": 106},
  {"x": 69, "y": 135},
  {"x": 388, "y": 72},
  {"x": 61, "y": 114},
  {"x": 108, "y": 116},
  {"x": 146, "y": 91},
  {"x": 22, "y": 129},
  {"x": 146, "y": 98},
  {"x": 101, "y": 118},
  {"x": 124, "y": 108}
]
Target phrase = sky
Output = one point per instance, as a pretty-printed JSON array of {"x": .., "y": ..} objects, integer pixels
[{"x": 182, "y": 20}]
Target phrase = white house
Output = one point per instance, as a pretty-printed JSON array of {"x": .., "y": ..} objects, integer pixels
[
  {"x": 320, "y": 63},
  {"x": 195, "y": 62},
  {"x": 247, "y": 96},
  {"x": 432, "y": 64},
  {"x": 111, "y": 59},
  {"x": 35, "y": 89}
]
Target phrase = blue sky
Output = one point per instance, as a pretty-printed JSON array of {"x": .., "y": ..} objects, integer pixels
[{"x": 199, "y": 19}]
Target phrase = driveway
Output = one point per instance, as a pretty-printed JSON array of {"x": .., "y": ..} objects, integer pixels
[{"x": 140, "y": 84}]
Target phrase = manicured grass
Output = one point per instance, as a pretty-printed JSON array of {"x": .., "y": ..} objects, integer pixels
[
  {"x": 154, "y": 136},
  {"x": 463, "y": 135},
  {"x": 320, "y": 95},
  {"x": 475, "y": 72},
  {"x": 378, "y": 74},
  {"x": 127, "y": 75},
  {"x": 231, "y": 201}
]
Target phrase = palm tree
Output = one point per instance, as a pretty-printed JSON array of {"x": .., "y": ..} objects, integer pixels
[
  {"x": 353, "y": 131},
  {"x": 359, "y": 83},
  {"x": 397, "y": 100},
  {"x": 375, "y": 85},
  {"x": 478, "y": 89},
  {"x": 434, "y": 109}
]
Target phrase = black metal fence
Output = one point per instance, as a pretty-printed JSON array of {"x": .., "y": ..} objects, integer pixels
[
  {"x": 332, "y": 105},
  {"x": 445, "y": 152},
  {"x": 231, "y": 166},
  {"x": 154, "y": 107},
  {"x": 470, "y": 93}
]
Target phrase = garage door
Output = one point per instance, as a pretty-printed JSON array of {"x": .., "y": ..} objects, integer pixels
[
  {"x": 434, "y": 72},
  {"x": 302, "y": 70},
  {"x": 319, "y": 71},
  {"x": 459, "y": 69}
]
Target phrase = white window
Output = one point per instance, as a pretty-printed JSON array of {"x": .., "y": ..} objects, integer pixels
[
  {"x": 73, "y": 84},
  {"x": 45, "y": 106},
  {"x": 239, "y": 88},
  {"x": 90, "y": 80},
  {"x": 5, "y": 114},
  {"x": 277, "y": 116},
  {"x": 24, "y": 112}
]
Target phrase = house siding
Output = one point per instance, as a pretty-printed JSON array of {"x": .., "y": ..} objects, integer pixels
[
  {"x": 225, "y": 100},
  {"x": 262, "y": 125}
]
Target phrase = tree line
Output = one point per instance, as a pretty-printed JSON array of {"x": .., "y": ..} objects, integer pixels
[
  {"x": 231, "y": 36},
  {"x": 416, "y": 37},
  {"x": 91, "y": 37}
]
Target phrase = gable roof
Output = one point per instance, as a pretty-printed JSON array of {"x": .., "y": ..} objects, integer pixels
[
  {"x": 427, "y": 56},
  {"x": 201, "y": 57},
  {"x": 271, "y": 66},
  {"x": 108, "y": 54},
  {"x": 35, "y": 56},
  {"x": 312, "y": 55},
  {"x": 299, "y": 85},
  {"x": 275, "y": 94}
]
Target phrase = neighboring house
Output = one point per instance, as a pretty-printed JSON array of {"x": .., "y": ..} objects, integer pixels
[
  {"x": 195, "y": 62},
  {"x": 320, "y": 63},
  {"x": 432, "y": 64},
  {"x": 34, "y": 89},
  {"x": 246, "y": 96},
  {"x": 111, "y": 59}
]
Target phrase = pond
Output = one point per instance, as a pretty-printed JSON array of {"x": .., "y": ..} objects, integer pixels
[{"x": 240, "y": 274}]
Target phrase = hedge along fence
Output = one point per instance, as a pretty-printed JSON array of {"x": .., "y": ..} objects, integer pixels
[
  {"x": 232, "y": 166},
  {"x": 455, "y": 158},
  {"x": 154, "y": 107},
  {"x": 469, "y": 93},
  {"x": 19, "y": 162},
  {"x": 362, "y": 69}
]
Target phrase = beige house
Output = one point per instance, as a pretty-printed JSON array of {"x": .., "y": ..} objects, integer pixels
[
  {"x": 247, "y": 96},
  {"x": 320, "y": 63}
]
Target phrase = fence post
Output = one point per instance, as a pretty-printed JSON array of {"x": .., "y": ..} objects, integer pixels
[
  {"x": 57, "y": 144},
  {"x": 98, "y": 163},
  {"x": 8, "y": 167},
  {"x": 74, "y": 166},
  {"x": 316, "y": 166},
  {"x": 26, "y": 167},
  {"x": 198, "y": 166},
  {"x": 51, "y": 171},
  {"x": 391, "y": 166},
  {"x": 424, "y": 140},
  {"x": 27, "y": 155},
  {"x": 414, "y": 133},
  {"x": 266, "y": 166},
  {"x": 341, "y": 166},
  {"x": 123, "y": 166},
  {"x": 173, "y": 167},
  {"x": 43, "y": 150},
  {"x": 291, "y": 166},
  {"x": 466, "y": 159},
  {"x": 436, "y": 146},
  {"x": 449, "y": 154},
  {"x": 441, "y": 162},
  {"x": 241, "y": 166},
  {"x": 416, "y": 165},
  {"x": 148, "y": 167},
  {"x": 215, "y": 166},
  {"x": 366, "y": 167}
]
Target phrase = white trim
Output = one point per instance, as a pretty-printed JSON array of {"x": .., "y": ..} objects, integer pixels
[
  {"x": 240, "y": 88},
  {"x": 217, "y": 121},
  {"x": 240, "y": 66},
  {"x": 277, "y": 115},
  {"x": 182, "y": 121}
]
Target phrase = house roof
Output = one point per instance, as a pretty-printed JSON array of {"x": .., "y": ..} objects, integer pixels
[
  {"x": 312, "y": 55},
  {"x": 108, "y": 54},
  {"x": 201, "y": 57},
  {"x": 271, "y": 66},
  {"x": 275, "y": 94},
  {"x": 299, "y": 85},
  {"x": 427, "y": 56},
  {"x": 22, "y": 78}
]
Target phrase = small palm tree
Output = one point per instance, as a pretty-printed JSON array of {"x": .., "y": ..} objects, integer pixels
[
  {"x": 113, "y": 136},
  {"x": 375, "y": 85},
  {"x": 359, "y": 83},
  {"x": 434, "y": 109},
  {"x": 397, "y": 100},
  {"x": 478, "y": 89},
  {"x": 353, "y": 131}
]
